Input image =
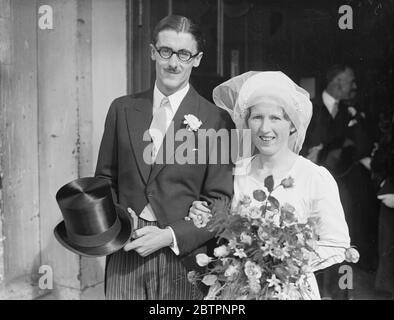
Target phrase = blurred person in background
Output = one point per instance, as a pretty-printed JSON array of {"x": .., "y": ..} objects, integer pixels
[
  {"x": 339, "y": 139},
  {"x": 383, "y": 176}
]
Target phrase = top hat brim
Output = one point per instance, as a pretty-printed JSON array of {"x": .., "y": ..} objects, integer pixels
[{"x": 108, "y": 248}]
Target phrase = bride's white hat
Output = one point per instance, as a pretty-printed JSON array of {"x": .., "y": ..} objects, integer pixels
[{"x": 248, "y": 89}]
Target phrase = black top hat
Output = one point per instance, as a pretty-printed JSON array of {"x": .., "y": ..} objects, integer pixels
[{"x": 93, "y": 225}]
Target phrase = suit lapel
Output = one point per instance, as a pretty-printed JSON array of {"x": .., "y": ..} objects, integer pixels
[
  {"x": 189, "y": 105},
  {"x": 323, "y": 114},
  {"x": 139, "y": 117}
]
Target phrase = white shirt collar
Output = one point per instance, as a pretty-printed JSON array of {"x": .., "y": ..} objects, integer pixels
[
  {"x": 329, "y": 101},
  {"x": 175, "y": 99}
]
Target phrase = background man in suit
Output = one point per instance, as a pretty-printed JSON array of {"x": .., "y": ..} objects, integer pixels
[
  {"x": 338, "y": 139},
  {"x": 155, "y": 263},
  {"x": 326, "y": 133}
]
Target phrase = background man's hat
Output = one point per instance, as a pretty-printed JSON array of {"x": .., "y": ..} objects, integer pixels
[{"x": 93, "y": 225}]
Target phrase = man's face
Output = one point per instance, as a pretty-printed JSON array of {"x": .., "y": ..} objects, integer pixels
[
  {"x": 347, "y": 84},
  {"x": 173, "y": 74}
]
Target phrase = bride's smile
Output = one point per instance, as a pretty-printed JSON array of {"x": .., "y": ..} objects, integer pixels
[{"x": 269, "y": 127}]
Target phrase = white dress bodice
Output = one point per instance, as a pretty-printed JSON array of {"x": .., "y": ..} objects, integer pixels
[{"x": 314, "y": 194}]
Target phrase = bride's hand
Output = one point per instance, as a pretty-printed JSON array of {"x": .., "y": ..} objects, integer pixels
[{"x": 199, "y": 213}]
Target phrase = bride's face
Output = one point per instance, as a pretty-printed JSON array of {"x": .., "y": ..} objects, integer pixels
[{"x": 270, "y": 128}]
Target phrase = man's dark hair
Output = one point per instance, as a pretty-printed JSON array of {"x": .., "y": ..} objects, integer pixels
[
  {"x": 180, "y": 24},
  {"x": 334, "y": 71}
]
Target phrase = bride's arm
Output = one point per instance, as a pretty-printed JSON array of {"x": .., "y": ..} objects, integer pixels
[{"x": 332, "y": 228}]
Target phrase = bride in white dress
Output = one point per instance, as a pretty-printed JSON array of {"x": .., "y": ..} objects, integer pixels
[{"x": 278, "y": 113}]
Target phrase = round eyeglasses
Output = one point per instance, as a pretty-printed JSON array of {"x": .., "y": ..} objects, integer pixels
[{"x": 183, "y": 55}]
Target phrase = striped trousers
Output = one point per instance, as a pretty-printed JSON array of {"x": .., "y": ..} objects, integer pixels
[{"x": 159, "y": 276}]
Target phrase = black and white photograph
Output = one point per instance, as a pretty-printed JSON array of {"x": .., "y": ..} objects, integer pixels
[{"x": 210, "y": 151}]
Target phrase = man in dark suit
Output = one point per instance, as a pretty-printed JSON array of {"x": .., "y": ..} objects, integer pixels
[
  {"x": 338, "y": 139},
  {"x": 327, "y": 131},
  {"x": 140, "y": 156}
]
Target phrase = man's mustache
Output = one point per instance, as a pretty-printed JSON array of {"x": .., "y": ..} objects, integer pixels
[{"x": 172, "y": 70}]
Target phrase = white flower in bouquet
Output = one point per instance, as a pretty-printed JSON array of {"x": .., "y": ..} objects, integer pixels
[
  {"x": 287, "y": 182},
  {"x": 231, "y": 271},
  {"x": 213, "y": 291},
  {"x": 352, "y": 255},
  {"x": 288, "y": 217},
  {"x": 280, "y": 253},
  {"x": 273, "y": 217},
  {"x": 274, "y": 282},
  {"x": 252, "y": 270},
  {"x": 203, "y": 260},
  {"x": 301, "y": 279},
  {"x": 232, "y": 244},
  {"x": 254, "y": 285},
  {"x": 245, "y": 200},
  {"x": 245, "y": 238},
  {"x": 221, "y": 251},
  {"x": 266, "y": 248},
  {"x": 243, "y": 211},
  {"x": 289, "y": 292},
  {"x": 201, "y": 220},
  {"x": 192, "y": 276},
  {"x": 300, "y": 239},
  {"x": 240, "y": 253},
  {"x": 307, "y": 255},
  {"x": 291, "y": 269},
  {"x": 262, "y": 234},
  {"x": 209, "y": 279},
  {"x": 254, "y": 213}
]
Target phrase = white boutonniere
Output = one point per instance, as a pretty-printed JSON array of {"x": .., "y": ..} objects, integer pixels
[
  {"x": 352, "y": 123},
  {"x": 192, "y": 122},
  {"x": 352, "y": 111}
]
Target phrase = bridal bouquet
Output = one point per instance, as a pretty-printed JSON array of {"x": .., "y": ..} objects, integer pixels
[{"x": 265, "y": 253}]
